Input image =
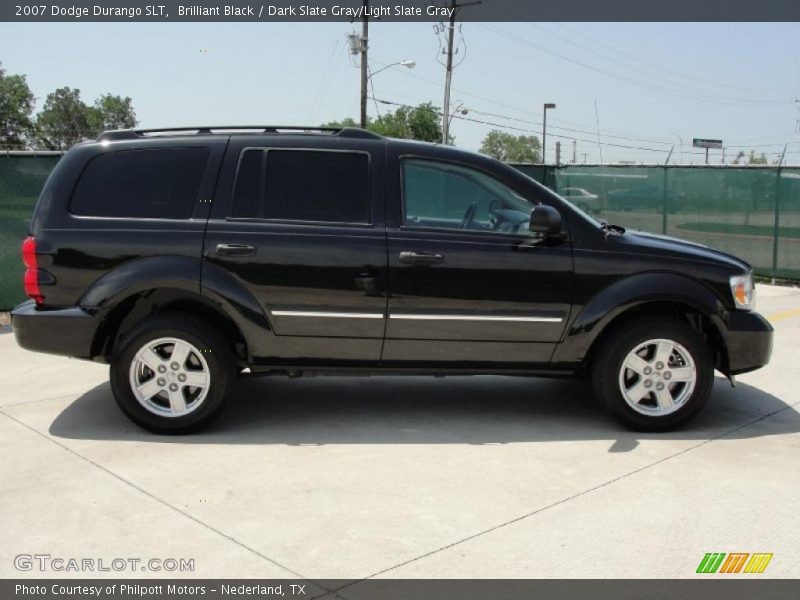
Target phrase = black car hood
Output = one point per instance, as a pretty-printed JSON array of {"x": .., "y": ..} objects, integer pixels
[{"x": 664, "y": 244}]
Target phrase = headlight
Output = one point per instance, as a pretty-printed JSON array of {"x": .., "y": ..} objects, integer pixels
[{"x": 744, "y": 292}]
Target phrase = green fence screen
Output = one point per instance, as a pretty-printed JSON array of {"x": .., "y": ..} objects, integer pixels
[
  {"x": 752, "y": 212},
  {"x": 21, "y": 180}
]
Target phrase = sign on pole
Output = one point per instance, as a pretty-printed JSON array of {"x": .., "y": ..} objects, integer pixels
[{"x": 701, "y": 143}]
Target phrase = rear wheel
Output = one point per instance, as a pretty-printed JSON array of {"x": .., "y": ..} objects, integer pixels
[
  {"x": 653, "y": 373},
  {"x": 172, "y": 374}
]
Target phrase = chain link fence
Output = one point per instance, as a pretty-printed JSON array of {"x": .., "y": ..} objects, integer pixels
[{"x": 751, "y": 212}]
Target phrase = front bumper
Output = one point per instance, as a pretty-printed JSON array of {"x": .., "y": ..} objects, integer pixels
[
  {"x": 65, "y": 331},
  {"x": 748, "y": 340}
]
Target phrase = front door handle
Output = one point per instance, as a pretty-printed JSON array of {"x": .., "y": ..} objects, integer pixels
[
  {"x": 421, "y": 258},
  {"x": 235, "y": 250}
]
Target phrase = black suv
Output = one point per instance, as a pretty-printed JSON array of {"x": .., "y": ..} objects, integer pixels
[{"x": 186, "y": 257}]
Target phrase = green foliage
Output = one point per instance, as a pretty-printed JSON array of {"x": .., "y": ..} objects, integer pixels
[
  {"x": 112, "y": 112},
  {"x": 511, "y": 148},
  {"x": 64, "y": 121},
  {"x": 16, "y": 108},
  {"x": 752, "y": 159},
  {"x": 346, "y": 122},
  {"x": 67, "y": 120},
  {"x": 421, "y": 123}
]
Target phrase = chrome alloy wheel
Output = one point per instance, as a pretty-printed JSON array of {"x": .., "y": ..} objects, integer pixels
[
  {"x": 657, "y": 377},
  {"x": 169, "y": 377}
]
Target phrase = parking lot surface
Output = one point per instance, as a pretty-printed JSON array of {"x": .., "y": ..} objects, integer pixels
[{"x": 401, "y": 477}]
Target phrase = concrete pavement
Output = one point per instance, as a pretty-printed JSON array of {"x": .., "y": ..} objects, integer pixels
[{"x": 345, "y": 477}]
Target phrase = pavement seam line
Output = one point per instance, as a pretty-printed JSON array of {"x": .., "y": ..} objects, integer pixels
[
  {"x": 157, "y": 499},
  {"x": 568, "y": 498},
  {"x": 70, "y": 395}
]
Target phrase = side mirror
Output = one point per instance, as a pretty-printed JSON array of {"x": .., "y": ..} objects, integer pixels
[{"x": 546, "y": 221}]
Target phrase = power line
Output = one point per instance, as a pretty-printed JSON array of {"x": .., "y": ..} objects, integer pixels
[
  {"x": 636, "y": 59},
  {"x": 524, "y": 130},
  {"x": 577, "y": 130},
  {"x": 667, "y": 69},
  {"x": 696, "y": 95},
  {"x": 504, "y": 105},
  {"x": 731, "y": 148}
]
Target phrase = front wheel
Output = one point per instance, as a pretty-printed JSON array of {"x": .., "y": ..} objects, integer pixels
[
  {"x": 653, "y": 373},
  {"x": 172, "y": 374}
]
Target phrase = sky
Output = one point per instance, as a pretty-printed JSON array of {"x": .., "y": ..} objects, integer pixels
[{"x": 654, "y": 85}]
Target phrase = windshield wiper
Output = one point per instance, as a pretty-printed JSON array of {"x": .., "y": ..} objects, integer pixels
[{"x": 611, "y": 228}]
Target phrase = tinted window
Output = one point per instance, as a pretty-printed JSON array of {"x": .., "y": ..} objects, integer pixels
[
  {"x": 303, "y": 185},
  {"x": 445, "y": 195},
  {"x": 159, "y": 183}
]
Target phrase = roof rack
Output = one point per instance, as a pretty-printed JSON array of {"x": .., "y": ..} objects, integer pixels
[{"x": 135, "y": 134}]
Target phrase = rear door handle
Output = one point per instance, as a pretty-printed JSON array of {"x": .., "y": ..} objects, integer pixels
[
  {"x": 235, "y": 250},
  {"x": 421, "y": 258}
]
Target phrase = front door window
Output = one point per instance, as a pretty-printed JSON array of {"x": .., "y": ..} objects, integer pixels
[{"x": 443, "y": 195}]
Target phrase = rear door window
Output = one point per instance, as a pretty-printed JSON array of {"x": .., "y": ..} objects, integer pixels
[
  {"x": 302, "y": 185},
  {"x": 160, "y": 183}
]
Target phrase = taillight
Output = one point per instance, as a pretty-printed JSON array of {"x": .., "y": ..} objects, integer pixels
[{"x": 31, "y": 270}]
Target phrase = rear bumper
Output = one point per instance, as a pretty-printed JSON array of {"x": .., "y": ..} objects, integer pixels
[
  {"x": 65, "y": 331},
  {"x": 748, "y": 339}
]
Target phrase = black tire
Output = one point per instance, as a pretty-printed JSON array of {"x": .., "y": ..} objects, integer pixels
[
  {"x": 218, "y": 359},
  {"x": 615, "y": 348}
]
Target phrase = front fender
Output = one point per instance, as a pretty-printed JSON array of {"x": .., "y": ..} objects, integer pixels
[{"x": 626, "y": 294}]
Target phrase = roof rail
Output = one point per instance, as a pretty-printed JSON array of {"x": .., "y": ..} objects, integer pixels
[{"x": 135, "y": 134}]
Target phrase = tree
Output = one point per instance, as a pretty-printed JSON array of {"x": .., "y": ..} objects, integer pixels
[
  {"x": 752, "y": 159},
  {"x": 111, "y": 112},
  {"x": 346, "y": 122},
  {"x": 64, "y": 121},
  {"x": 511, "y": 148},
  {"x": 16, "y": 108},
  {"x": 421, "y": 123}
]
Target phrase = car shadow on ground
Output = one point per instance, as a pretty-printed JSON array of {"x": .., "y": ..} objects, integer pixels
[{"x": 426, "y": 410}]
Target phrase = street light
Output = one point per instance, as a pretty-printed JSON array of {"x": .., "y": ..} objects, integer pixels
[
  {"x": 680, "y": 139},
  {"x": 459, "y": 109},
  {"x": 410, "y": 64},
  {"x": 544, "y": 128},
  {"x": 402, "y": 63}
]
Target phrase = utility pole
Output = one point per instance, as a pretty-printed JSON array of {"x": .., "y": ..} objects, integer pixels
[
  {"x": 558, "y": 154},
  {"x": 548, "y": 105},
  {"x": 574, "y": 151},
  {"x": 364, "y": 63},
  {"x": 454, "y": 7},
  {"x": 448, "y": 73},
  {"x": 597, "y": 122}
]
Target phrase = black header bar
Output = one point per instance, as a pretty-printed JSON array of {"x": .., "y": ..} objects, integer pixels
[{"x": 398, "y": 10}]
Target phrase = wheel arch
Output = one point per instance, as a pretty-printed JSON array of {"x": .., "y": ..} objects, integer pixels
[
  {"x": 641, "y": 295},
  {"x": 140, "y": 305},
  {"x": 144, "y": 286}
]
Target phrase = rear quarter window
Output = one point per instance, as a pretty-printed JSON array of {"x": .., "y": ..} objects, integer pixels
[
  {"x": 147, "y": 184},
  {"x": 318, "y": 186}
]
